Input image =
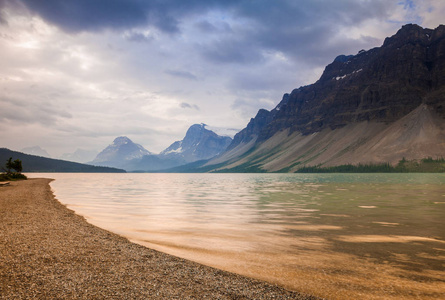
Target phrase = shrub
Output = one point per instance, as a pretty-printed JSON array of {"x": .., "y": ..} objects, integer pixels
[{"x": 12, "y": 165}]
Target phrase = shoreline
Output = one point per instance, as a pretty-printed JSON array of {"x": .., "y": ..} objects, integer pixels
[{"x": 48, "y": 251}]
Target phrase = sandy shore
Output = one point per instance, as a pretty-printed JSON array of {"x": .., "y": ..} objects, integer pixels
[{"x": 47, "y": 251}]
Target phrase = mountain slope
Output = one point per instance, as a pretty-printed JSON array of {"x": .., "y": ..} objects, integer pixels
[
  {"x": 378, "y": 106},
  {"x": 419, "y": 134},
  {"x": 32, "y": 163}
]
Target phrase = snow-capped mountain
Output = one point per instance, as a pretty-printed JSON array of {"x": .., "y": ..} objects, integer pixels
[
  {"x": 120, "y": 152},
  {"x": 199, "y": 143}
]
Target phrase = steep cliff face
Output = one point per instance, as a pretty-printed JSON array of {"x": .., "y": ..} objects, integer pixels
[
  {"x": 378, "y": 86},
  {"x": 381, "y": 84}
]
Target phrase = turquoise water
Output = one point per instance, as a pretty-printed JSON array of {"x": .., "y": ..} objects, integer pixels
[{"x": 298, "y": 230}]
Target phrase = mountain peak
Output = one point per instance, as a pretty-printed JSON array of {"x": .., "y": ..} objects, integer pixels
[
  {"x": 412, "y": 33},
  {"x": 196, "y": 128},
  {"x": 121, "y": 140},
  {"x": 200, "y": 125}
]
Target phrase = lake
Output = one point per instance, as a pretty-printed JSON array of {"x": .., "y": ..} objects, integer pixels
[{"x": 367, "y": 236}]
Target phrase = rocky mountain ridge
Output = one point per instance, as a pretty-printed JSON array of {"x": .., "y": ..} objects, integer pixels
[{"x": 377, "y": 87}]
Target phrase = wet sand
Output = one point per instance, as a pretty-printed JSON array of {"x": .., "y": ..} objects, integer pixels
[{"x": 47, "y": 252}]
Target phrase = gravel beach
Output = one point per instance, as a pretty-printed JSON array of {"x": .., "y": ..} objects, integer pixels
[{"x": 47, "y": 252}]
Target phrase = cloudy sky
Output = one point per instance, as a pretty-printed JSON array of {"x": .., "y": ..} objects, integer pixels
[{"x": 78, "y": 73}]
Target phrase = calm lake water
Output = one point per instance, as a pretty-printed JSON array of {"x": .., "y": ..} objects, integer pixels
[{"x": 368, "y": 236}]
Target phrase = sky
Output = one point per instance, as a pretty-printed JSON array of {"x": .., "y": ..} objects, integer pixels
[{"x": 79, "y": 73}]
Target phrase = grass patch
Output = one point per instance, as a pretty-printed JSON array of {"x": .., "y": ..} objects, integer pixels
[{"x": 12, "y": 177}]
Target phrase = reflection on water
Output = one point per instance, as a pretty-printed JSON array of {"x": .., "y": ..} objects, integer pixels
[{"x": 361, "y": 235}]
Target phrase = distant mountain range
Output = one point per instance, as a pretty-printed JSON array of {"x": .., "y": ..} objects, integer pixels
[
  {"x": 80, "y": 156},
  {"x": 36, "y": 150},
  {"x": 199, "y": 143},
  {"x": 32, "y": 163},
  {"x": 381, "y": 105}
]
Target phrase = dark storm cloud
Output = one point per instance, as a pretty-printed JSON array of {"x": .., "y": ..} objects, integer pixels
[
  {"x": 80, "y": 15},
  {"x": 299, "y": 29},
  {"x": 84, "y": 15},
  {"x": 92, "y": 15}
]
